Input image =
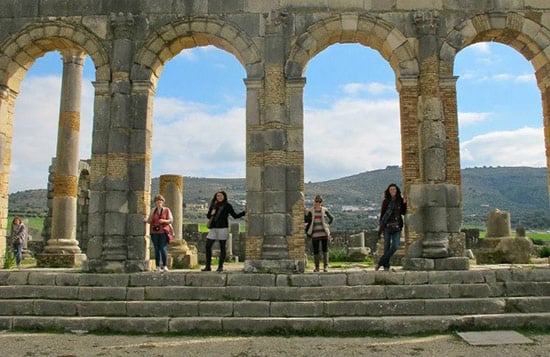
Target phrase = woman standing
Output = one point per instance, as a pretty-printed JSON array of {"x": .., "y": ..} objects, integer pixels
[
  {"x": 394, "y": 206},
  {"x": 218, "y": 214},
  {"x": 160, "y": 220},
  {"x": 318, "y": 220},
  {"x": 17, "y": 239}
]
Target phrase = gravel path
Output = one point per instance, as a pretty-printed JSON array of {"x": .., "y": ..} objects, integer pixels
[{"x": 84, "y": 345}]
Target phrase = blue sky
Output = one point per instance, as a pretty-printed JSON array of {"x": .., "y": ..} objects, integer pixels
[{"x": 351, "y": 114}]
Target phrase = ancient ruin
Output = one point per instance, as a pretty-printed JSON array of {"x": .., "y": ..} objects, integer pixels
[{"x": 129, "y": 42}]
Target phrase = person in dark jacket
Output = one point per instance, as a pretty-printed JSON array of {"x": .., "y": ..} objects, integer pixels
[
  {"x": 394, "y": 206},
  {"x": 219, "y": 212},
  {"x": 17, "y": 239}
]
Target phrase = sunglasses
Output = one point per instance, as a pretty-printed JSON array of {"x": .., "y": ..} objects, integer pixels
[{"x": 318, "y": 200}]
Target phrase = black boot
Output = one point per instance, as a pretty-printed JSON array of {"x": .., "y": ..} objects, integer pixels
[
  {"x": 325, "y": 261},
  {"x": 316, "y": 260},
  {"x": 208, "y": 267},
  {"x": 221, "y": 258}
]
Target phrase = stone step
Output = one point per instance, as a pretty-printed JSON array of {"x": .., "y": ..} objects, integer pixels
[
  {"x": 201, "y": 308},
  {"x": 394, "y": 325},
  {"x": 277, "y": 293},
  {"x": 352, "y": 301}
]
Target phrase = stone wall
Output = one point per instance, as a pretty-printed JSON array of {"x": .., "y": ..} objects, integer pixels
[{"x": 129, "y": 42}]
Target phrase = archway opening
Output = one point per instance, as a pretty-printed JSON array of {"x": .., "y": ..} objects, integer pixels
[
  {"x": 501, "y": 136},
  {"x": 199, "y": 131},
  {"x": 34, "y": 140},
  {"x": 352, "y": 140}
]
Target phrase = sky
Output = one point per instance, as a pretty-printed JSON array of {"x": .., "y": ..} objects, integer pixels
[{"x": 351, "y": 114}]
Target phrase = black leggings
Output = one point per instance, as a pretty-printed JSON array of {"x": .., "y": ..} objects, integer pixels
[
  {"x": 316, "y": 242},
  {"x": 209, "y": 244}
]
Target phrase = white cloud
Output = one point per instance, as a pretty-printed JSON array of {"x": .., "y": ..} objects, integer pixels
[
  {"x": 35, "y": 130},
  {"x": 188, "y": 141},
  {"x": 351, "y": 136},
  {"x": 521, "y": 147},
  {"x": 481, "y": 47},
  {"x": 466, "y": 119},
  {"x": 373, "y": 88},
  {"x": 524, "y": 78}
]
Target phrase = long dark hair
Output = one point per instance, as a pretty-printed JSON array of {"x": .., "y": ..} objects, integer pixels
[
  {"x": 387, "y": 195},
  {"x": 215, "y": 203}
]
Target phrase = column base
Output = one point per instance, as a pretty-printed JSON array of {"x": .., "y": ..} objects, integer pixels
[
  {"x": 274, "y": 266},
  {"x": 451, "y": 263},
  {"x": 50, "y": 260}
]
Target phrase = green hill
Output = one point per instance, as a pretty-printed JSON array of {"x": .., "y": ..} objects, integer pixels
[{"x": 355, "y": 200}]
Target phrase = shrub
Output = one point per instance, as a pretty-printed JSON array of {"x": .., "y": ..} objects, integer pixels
[
  {"x": 9, "y": 258},
  {"x": 544, "y": 252}
]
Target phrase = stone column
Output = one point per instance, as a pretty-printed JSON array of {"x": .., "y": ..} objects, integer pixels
[
  {"x": 181, "y": 256},
  {"x": 274, "y": 161},
  {"x": 447, "y": 88},
  {"x": 62, "y": 249},
  {"x": 435, "y": 212},
  {"x": 7, "y": 100},
  {"x": 545, "y": 91}
]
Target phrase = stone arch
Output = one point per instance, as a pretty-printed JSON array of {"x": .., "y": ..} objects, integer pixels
[
  {"x": 17, "y": 54},
  {"x": 353, "y": 28},
  {"x": 525, "y": 35},
  {"x": 392, "y": 45},
  {"x": 174, "y": 37},
  {"x": 21, "y": 50}
]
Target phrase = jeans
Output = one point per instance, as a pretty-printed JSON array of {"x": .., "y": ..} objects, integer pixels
[
  {"x": 18, "y": 252},
  {"x": 391, "y": 244},
  {"x": 159, "y": 243}
]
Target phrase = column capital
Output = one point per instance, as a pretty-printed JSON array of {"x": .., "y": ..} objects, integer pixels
[
  {"x": 143, "y": 87},
  {"x": 73, "y": 56},
  {"x": 253, "y": 83},
  {"x": 448, "y": 81},
  {"x": 407, "y": 82},
  {"x": 101, "y": 87},
  {"x": 296, "y": 82}
]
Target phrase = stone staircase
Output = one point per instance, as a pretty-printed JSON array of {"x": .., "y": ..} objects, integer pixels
[{"x": 347, "y": 301}]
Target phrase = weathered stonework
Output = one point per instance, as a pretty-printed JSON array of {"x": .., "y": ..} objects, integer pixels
[{"x": 129, "y": 42}]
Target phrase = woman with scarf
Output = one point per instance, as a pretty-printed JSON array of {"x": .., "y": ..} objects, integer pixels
[
  {"x": 394, "y": 206},
  {"x": 17, "y": 239}
]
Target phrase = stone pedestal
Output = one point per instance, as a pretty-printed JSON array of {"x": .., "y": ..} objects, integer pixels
[{"x": 45, "y": 260}]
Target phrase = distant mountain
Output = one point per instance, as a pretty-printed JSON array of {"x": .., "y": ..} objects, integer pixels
[{"x": 522, "y": 191}]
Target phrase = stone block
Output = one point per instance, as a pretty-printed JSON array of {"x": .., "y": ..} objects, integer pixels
[
  {"x": 469, "y": 291},
  {"x": 418, "y": 264},
  {"x": 251, "y": 309},
  {"x": 215, "y": 308},
  {"x": 275, "y": 224},
  {"x": 254, "y": 280},
  {"x": 297, "y": 309},
  {"x": 274, "y": 266},
  {"x": 55, "y": 308},
  {"x": 191, "y": 324},
  {"x": 242, "y": 293},
  {"x": 435, "y": 219},
  {"x": 274, "y": 179}
]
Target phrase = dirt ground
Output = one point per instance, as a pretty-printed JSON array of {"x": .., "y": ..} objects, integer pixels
[{"x": 88, "y": 345}]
